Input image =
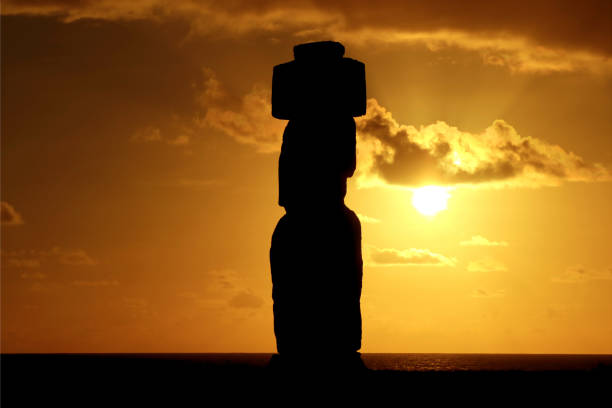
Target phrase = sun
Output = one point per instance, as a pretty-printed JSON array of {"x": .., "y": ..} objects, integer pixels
[{"x": 430, "y": 200}]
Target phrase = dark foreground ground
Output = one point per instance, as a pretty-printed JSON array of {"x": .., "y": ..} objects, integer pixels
[{"x": 181, "y": 380}]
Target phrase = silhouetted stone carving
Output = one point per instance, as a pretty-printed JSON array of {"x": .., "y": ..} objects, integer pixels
[
  {"x": 315, "y": 256},
  {"x": 319, "y": 81},
  {"x": 317, "y": 156}
]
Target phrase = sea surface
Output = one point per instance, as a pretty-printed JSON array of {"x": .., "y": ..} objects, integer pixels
[
  {"x": 489, "y": 362},
  {"x": 421, "y": 361},
  {"x": 239, "y": 379}
]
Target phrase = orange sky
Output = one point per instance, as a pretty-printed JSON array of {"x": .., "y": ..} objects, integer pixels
[{"x": 139, "y": 173}]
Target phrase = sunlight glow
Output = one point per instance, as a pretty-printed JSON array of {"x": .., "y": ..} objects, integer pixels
[
  {"x": 430, "y": 200},
  {"x": 456, "y": 159}
]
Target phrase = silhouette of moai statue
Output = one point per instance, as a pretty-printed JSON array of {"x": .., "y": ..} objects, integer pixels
[{"x": 315, "y": 255}]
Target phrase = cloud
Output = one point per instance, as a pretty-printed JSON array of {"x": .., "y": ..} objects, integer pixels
[
  {"x": 486, "y": 265},
  {"x": 219, "y": 280},
  {"x": 500, "y": 32},
  {"x": 148, "y": 134},
  {"x": 198, "y": 184},
  {"x": 32, "y": 275},
  {"x": 138, "y": 307},
  {"x": 180, "y": 140},
  {"x": 9, "y": 215},
  {"x": 579, "y": 274},
  {"x": 24, "y": 263},
  {"x": 252, "y": 123},
  {"x": 212, "y": 89},
  {"x": 35, "y": 258},
  {"x": 224, "y": 291},
  {"x": 406, "y": 257},
  {"x": 76, "y": 257},
  {"x": 95, "y": 283},
  {"x": 182, "y": 134},
  {"x": 247, "y": 300},
  {"x": 248, "y": 122},
  {"x": 180, "y": 130},
  {"x": 516, "y": 53},
  {"x": 235, "y": 18},
  {"x": 479, "y": 240},
  {"x": 484, "y": 294},
  {"x": 366, "y": 219},
  {"x": 404, "y": 156}
]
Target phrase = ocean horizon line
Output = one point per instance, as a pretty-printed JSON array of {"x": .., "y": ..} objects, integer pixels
[{"x": 244, "y": 353}]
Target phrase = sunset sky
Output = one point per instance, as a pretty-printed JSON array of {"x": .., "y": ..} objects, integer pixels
[{"x": 139, "y": 173}]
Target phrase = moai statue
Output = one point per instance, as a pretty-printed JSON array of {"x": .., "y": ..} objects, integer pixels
[{"x": 315, "y": 255}]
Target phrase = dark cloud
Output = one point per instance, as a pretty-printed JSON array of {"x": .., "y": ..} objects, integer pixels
[
  {"x": 9, "y": 215},
  {"x": 543, "y": 35},
  {"x": 584, "y": 24},
  {"x": 402, "y": 155},
  {"x": 406, "y": 257}
]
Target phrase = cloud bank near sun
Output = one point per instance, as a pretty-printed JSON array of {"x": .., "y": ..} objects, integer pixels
[
  {"x": 503, "y": 34},
  {"x": 392, "y": 154}
]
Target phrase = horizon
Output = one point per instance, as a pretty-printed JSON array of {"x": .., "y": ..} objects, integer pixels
[{"x": 185, "y": 353}]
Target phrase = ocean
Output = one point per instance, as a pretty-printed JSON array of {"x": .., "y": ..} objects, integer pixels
[
  {"x": 239, "y": 379},
  {"x": 422, "y": 361}
]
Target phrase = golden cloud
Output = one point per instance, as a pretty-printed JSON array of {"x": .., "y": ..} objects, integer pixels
[
  {"x": 479, "y": 240},
  {"x": 500, "y": 32},
  {"x": 252, "y": 123},
  {"x": 580, "y": 274},
  {"x": 32, "y": 275},
  {"x": 367, "y": 219},
  {"x": 182, "y": 134},
  {"x": 246, "y": 300},
  {"x": 486, "y": 265},
  {"x": 406, "y": 257},
  {"x": 517, "y": 53},
  {"x": 34, "y": 258},
  {"x": 95, "y": 283},
  {"x": 486, "y": 294},
  {"x": 225, "y": 290},
  {"x": 405, "y": 156}
]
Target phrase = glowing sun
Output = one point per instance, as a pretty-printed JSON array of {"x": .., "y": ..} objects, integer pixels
[{"x": 430, "y": 200}]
